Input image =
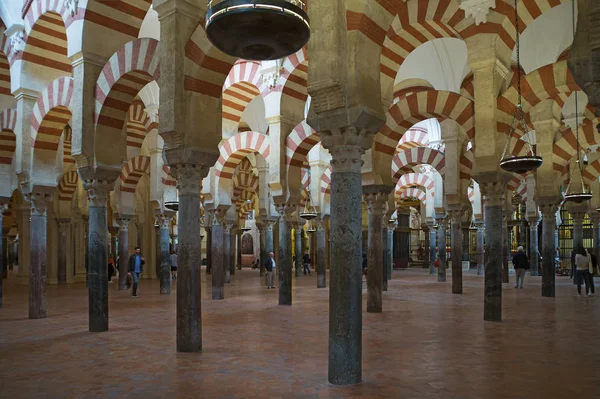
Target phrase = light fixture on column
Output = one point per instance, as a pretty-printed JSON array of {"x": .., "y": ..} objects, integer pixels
[
  {"x": 258, "y": 29},
  {"x": 576, "y": 191},
  {"x": 173, "y": 205},
  {"x": 522, "y": 163}
]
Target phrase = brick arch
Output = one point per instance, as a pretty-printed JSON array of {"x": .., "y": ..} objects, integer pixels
[
  {"x": 130, "y": 69},
  {"x": 420, "y": 106},
  {"x": 46, "y": 43},
  {"x": 8, "y": 139},
  {"x": 244, "y": 179},
  {"x": 294, "y": 80},
  {"x": 244, "y": 208},
  {"x": 405, "y": 160},
  {"x": 414, "y": 137},
  {"x": 67, "y": 185},
  {"x": 465, "y": 166},
  {"x": 51, "y": 113},
  {"x": 236, "y": 148},
  {"x": 243, "y": 84},
  {"x": 591, "y": 171},
  {"x": 325, "y": 183},
  {"x": 133, "y": 171},
  {"x": 412, "y": 192},
  {"x": 565, "y": 148},
  {"x": 467, "y": 88},
  {"x": 166, "y": 177},
  {"x": 410, "y": 179},
  {"x": 136, "y": 125},
  {"x": 4, "y": 68}
]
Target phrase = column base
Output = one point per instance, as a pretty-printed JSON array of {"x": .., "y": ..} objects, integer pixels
[{"x": 321, "y": 281}]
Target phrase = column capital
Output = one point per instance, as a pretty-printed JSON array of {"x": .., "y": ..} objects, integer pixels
[
  {"x": 493, "y": 192},
  {"x": 113, "y": 231},
  {"x": 595, "y": 218},
  {"x": 98, "y": 191},
  {"x": 38, "y": 202},
  {"x": 217, "y": 214},
  {"x": 548, "y": 209},
  {"x": 533, "y": 222},
  {"x": 189, "y": 177},
  {"x": 285, "y": 210},
  {"x": 123, "y": 222},
  {"x": 63, "y": 223},
  {"x": 346, "y": 145},
  {"x": 456, "y": 214},
  {"x": 164, "y": 219},
  {"x": 376, "y": 197}
]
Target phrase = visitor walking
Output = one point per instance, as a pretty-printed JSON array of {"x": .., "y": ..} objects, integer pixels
[
  {"x": 111, "y": 268},
  {"x": 521, "y": 265},
  {"x": 306, "y": 262},
  {"x": 582, "y": 273},
  {"x": 270, "y": 267},
  {"x": 173, "y": 265},
  {"x": 136, "y": 266}
]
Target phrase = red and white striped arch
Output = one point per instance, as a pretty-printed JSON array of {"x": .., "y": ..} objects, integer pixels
[
  {"x": 413, "y": 179},
  {"x": 51, "y": 114},
  {"x": 244, "y": 207},
  {"x": 414, "y": 137},
  {"x": 4, "y": 64},
  {"x": 294, "y": 79},
  {"x": 46, "y": 23},
  {"x": 565, "y": 147},
  {"x": 467, "y": 88},
  {"x": 68, "y": 159},
  {"x": 325, "y": 183},
  {"x": 133, "y": 171},
  {"x": 136, "y": 125},
  {"x": 166, "y": 177},
  {"x": 244, "y": 179},
  {"x": 421, "y": 106},
  {"x": 8, "y": 139},
  {"x": 130, "y": 69},
  {"x": 120, "y": 17},
  {"x": 591, "y": 171},
  {"x": 67, "y": 185},
  {"x": 405, "y": 160},
  {"x": 242, "y": 85},
  {"x": 298, "y": 144},
  {"x": 465, "y": 167},
  {"x": 413, "y": 192},
  {"x": 237, "y": 148}
]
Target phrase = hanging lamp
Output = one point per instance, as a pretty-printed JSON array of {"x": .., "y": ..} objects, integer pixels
[
  {"x": 173, "y": 205},
  {"x": 258, "y": 29},
  {"x": 577, "y": 193},
  {"x": 308, "y": 213},
  {"x": 310, "y": 228},
  {"x": 524, "y": 163}
]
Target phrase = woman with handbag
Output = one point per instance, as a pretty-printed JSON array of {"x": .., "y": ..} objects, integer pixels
[{"x": 583, "y": 264}]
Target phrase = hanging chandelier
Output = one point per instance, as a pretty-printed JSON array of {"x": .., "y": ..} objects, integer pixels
[
  {"x": 309, "y": 212},
  {"x": 173, "y": 205},
  {"x": 577, "y": 192},
  {"x": 524, "y": 163},
  {"x": 258, "y": 29}
]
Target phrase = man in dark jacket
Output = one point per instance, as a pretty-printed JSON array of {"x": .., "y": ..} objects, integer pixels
[
  {"x": 270, "y": 267},
  {"x": 306, "y": 262},
  {"x": 136, "y": 266},
  {"x": 521, "y": 265}
]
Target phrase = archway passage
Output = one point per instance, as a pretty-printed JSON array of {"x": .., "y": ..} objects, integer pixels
[
  {"x": 247, "y": 244},
  {"x": 8, "y": 140},
  {"x": 46, "y": 45}
]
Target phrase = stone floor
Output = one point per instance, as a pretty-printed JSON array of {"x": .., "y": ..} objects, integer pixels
[{"x": 428, "y": 343}]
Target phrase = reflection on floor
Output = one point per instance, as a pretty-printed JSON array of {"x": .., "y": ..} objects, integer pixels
[{"x": 428, "y": 343}]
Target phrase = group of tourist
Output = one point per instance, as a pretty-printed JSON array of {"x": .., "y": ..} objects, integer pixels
[{"x": 270, "y": 267}]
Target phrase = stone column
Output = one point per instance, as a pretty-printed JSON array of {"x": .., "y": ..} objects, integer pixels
[
  {"x": 164, "y": 220},
  {"x": 426, "y": 261},
  {"x": 390, "y": 239},
  {"x": 239, "y": 247},
  {"x": 457, "y": 249},
  {"x": 262, "y": 231},
  {"x": 505, "y": 251},
  {"x": 227, "y": 250},
  {"x": 39, "y": 202},
  {"x": 403, "y": 230},
  {"x": 298, "y": 247},
  {"x": 376, "y": 198},
  {"x": 385, "y": 252},
  {"x": 234, "y": 249},
  {"x": 432, "y": 249},
  {"x": 208, "y": 248},
  {"x": 493, "y": 193},
  {"x": 123, "y": 250},
  {"x": 441, "y": 246},
  {"x": 3, "y": 208},
  {"x": 345, "y": 292},
  {"x": 595, "y": 224},
  {"x": 533, "y": 246},
  {"x": 548, "y": 209},
  {"x": 218, "y": 263},
  {"x": 578, "y": 215},
  {"x": 189, "y": 259},
  {"x": 284, "y": 266},
  {"x": 322, "y": 251},
  {"x": 269, "y": 239},
  {"x": 24, "y": 226},
  {"x": 98, "y": 254},
  {"x": 11, "y": 251},
  {"x": 63, "y": 225},
  {"x": 480, "y": 249},
  {"x": 174, "y": 242}
]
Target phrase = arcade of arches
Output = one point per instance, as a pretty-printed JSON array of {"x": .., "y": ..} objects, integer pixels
[{"x": 122, "y": 126}]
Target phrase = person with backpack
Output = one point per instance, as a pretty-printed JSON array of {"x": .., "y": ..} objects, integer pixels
[
  {"x": 582, "y": 273},
  {"x": 270, "y": 267},
  {"x": 306, "y": 262},
  {"x": 521, "y": 265}
]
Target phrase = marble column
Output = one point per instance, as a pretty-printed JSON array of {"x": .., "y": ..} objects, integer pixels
[
  {"x": 385, "y": 257},
  {"x": 174, "y": 242},
  {"x": 493, "y": 192},
  {"x": 441, "y": 246},
  {"x": 239, "y": 248},
  {"x": 123, "y": 251},
  {"x": 3, "y": 208},
  {"x": 24, "y": 226},
  {"x": 39, "y": 203},
  {"x": 403, "y": 230},
  {"x": 595, "y": 218},
  {"x": 505, "y": 250},
  {"x": 164, "y": 220},
  {"x": 322, "y": 251},
  {"x": 234, "y": 249},
  {"x": 189, "y": 259},
  {"x": 11, "y": 251},
  {"x": 480, "y": 249},
  {"x": 432, "y": 249},
  {"x": 345, "y": 292},
  {"x": 218, "y": 263},
  {"x": 227, "y": 250},
  {"x": 457, "y": 249},
  {"x": 269, "y": 239},
  {"x": 376, "y": 198},
  {"x": 390, "y": 238},
  {"x": 97, "y": 254},
  {"x": 284, "y": 266},
  {"x": 548, "y": 210},
  {"x": 426, "y": 260},
  {"x": 208, "y": 248},
  {"x": 63, "y": 225},
  {"x": 298, "y": 247},
  {"x": 3, "y": 253},
  {"x": 533, "y": 246},
  {"x": 263, "y": 254}
]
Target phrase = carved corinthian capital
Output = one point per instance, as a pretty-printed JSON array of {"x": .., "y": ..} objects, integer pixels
[{"x": 478, "y": 9}]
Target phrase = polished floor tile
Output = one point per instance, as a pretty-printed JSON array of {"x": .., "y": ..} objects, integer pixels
[{"x": 428, "y": 343}]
